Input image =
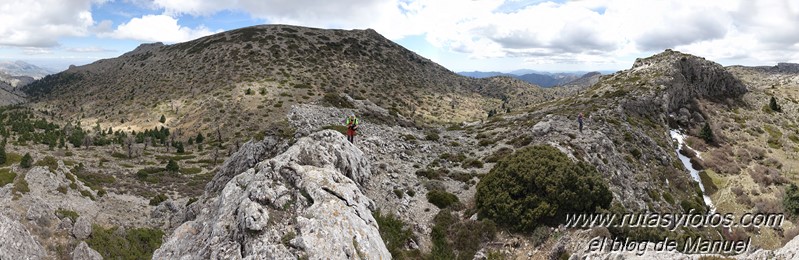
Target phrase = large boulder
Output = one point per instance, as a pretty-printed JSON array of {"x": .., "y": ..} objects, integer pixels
[
  {"x": 84, "y": 252},
  {"x": 82, "y": 228},
  {"x": 16, "y": 242},
  {"x": 306, "y": 202}
]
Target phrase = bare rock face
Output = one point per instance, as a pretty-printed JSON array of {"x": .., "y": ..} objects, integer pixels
[
  {"x": 84, "y": 252},
  {"x": 245, "y": 158},
  {"x": 306, "y": 202},
  {"x": 82, "y": 228},
  {"x": 16, "y": 242}
]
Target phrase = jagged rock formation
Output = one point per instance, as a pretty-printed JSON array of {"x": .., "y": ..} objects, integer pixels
[
  {"x": 305, "y": 202},
  {"x": 678, "y": 80},
  {"x": 245, "y": 158},
  {"x": 16, "y": 242}
]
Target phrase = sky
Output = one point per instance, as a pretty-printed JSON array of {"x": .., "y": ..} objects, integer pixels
[{"x": 462, "y": 35}]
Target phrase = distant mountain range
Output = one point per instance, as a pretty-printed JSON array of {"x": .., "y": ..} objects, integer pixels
[
  {"x": 21, "y": 68},
  {"x": 543, "y": 79}
]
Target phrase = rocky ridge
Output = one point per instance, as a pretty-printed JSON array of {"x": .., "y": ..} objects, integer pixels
[{"x": 305, "y": 202}]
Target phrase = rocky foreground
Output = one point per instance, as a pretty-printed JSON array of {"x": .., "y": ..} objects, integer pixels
[{"x": 306, "y": 202}]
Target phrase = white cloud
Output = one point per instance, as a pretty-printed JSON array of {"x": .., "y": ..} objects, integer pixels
[
  {"x": 157, "y": 28},
  {"x": 40, "y": 23},
  {"x": 93, "y": 49}
]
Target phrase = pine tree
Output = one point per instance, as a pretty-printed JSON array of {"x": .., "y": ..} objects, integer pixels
[
  {"x": 27, "y": 161},
  {"x": 172, "y": 166},
  {"x": 199, "y": 139},
  {"x": 706, "y": 133},
  {"x": 2, "y": 154},
  {"x": 179, "y": 147},
  {"x": 163, "y": 119},
  {"x": 773, "y": 105}
]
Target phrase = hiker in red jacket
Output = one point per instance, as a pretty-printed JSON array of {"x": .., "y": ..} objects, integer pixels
[{"x": 352, "y": 126}]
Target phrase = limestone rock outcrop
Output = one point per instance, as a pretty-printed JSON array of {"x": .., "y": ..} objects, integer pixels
[{"x": 305, "y": 202}]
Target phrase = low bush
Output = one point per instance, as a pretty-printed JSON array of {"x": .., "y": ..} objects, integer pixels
[
  {"x": 499, "y": 154},
  {"x": 48, "y": 161},
  {"x": 395, "y": 234},
  {"x": 442, "y": 199},
  {"x": 6, "y": 176},
  {"x": 472, "y": 163},
  {"x": 458, "y": 239},
  {"x": 790, "y": 200},
  {"x": 766, "y": 176},
  {"x": 63, "y": 213},
  {"x": 158, "y": 199},
  {"x": 539, "y": 185},
  {"x": 432, "y": 136}
]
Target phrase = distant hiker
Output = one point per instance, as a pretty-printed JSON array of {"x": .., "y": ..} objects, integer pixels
[
  {"x": 352, "y": 126},
  {"x": 580, "y": 121}
]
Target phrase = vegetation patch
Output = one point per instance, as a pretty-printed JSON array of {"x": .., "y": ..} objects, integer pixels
[
  {"x": 158, "y": 199},
  {"x": 191, "y": 170},
  {"x": 442, "y": 199},
  {"x": 458, "y": 239},
  {"x": 539, "y": 185},
  {"x": 395, "y": 234},
  {"x": 6, "y": 176},
  {"x": 63, "y": 213},
  {"x": 137, "y": 243},
  {"x": 499, "y": 154},
  {"x": 48, "y": 161}
]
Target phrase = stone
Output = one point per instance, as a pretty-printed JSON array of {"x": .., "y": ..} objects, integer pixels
[
  {"x": 541, "y": 128},
  {"x": 66, "y": 224},
  {"x": 16, "y": 242},
  {"x": 82, "y": 229},
  {"x": 315, "y": 185},
  {"x": 84, "y": 252}
]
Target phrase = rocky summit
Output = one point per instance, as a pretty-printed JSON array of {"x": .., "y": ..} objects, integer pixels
[
  {"x": 304, "y": 203},
  {"x": 233, "y": 146}
]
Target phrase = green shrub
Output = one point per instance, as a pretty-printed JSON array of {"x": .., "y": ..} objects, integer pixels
[
  {"x": 399, "y": 193},
  {"x": 791, "y": 200},
  {"x": 27, "y": 161},
  {"x": 6, "y": 176},
  {"x": 454, "y": 239},
  {"x": 472, "y": 163},
  {"x": 2, "y": 155},
  {"x": 668, "y": 198},
  {"x": 432, "y": 136},
  {"x": 158, "y": 199},
  {"x": 172, "y": 166},
  {"x": 48, "y": 161},
  {"x": 63, "y": 213},
  {"x": 539, "y": 185},
  {"x": 772, "y": 104},
  {"x": 137, "y": 243},
  {"x": 707, "y": 134},
  {"x": 21, "y": 186},
  {"x": 442, "y": 199},
  {"x": 499, "y": 154},
  {"x": 395, "y": 234}
]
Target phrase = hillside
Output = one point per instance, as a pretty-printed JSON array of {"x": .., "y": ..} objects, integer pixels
[{"x": 261, "y": 71}]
